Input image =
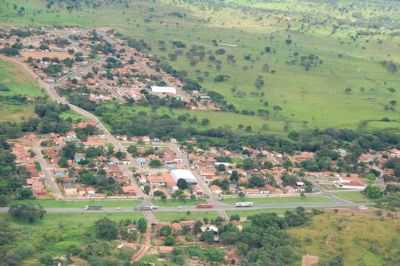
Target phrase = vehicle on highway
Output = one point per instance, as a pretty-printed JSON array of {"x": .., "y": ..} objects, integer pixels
[
  {"x": 93, "y": 208},
  {"x": 204, "y": 206},
  {"x": 244, "y": 204},
  {"x": 146, "y": 208}
]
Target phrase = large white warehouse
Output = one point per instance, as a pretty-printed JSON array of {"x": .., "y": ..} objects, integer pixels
[
  {"x": 183, "y": 174},
  {"x": 159, "y": 89}
]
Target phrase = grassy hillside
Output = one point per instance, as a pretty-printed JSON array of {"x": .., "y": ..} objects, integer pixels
[
  {"x": 308, "y": 64},
  {"x": 15, "y": 82},
  {"x": 361, "y": 239}
]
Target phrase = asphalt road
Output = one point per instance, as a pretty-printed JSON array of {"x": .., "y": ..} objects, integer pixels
[{"x": 225, "y": 207}]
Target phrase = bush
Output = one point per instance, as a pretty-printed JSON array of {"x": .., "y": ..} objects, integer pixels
[
  {"x": 27, "y": 213},
  {"x": 106, "y": 229}
]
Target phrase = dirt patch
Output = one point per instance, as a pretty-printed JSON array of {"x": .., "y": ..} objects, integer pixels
[{"x": 309, "y": 260}]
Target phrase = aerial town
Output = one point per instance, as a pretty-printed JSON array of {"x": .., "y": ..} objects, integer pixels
[{"x": 189, "y": 147}]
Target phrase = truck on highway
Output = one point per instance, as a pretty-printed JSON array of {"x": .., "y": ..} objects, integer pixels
[
  {"x": 204, "y": 206},
  {"x": 244, "y": 204},
  {"x": 93, "y": 208}
]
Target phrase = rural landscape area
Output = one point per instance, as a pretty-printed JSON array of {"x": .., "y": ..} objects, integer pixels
[{"x": 199, "y": 132}]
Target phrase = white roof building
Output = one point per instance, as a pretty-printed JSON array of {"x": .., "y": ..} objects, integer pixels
[
  {"x": 183, "y": 174},
  {"x": 159, "y": 89}
]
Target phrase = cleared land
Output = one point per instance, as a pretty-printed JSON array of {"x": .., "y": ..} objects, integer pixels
[{"x": 360, "y": 238}]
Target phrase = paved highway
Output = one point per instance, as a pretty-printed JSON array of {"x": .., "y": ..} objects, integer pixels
[{"x": 218, "y": 208}]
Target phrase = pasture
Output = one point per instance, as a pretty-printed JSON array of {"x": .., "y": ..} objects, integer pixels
[
  {"x": 15, "y": 82},
  {"x": 294, "y": 63}
]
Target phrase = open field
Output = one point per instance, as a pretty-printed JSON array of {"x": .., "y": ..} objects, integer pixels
[
  {"x": 15, "y": 82},
  {"x": 359, "y": 238},
  {"x": 353, "y": 196},
  {"x": 176, "y": 216},
  {"x": 247, "y": 213},
  {"x": 111, "y": 203},
  {"x": 277, "y": 200},
  {"x": 317, "y": 70},
  {"x": 176, "y": 203}
]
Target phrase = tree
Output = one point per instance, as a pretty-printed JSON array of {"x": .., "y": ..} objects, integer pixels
[
  {"x": 155, "y": 164},
  {"x": 106, "y": 229},
  {"x": 235, "y": 217},
  {"x": 182, "y": 184},
  {"x": 207, "y": 236},
  {"x": 132, "y": 149},
  {"x": 160, "y": 194},
  {"x": 120, "y": 155},
  {"x": 146, "y": 189},
  {"x": 141, "y": 225},
  {"x": 24, "y": 193},
  {"x": 27, "y": 212},
  {"x": 165, "y": 231},
  {"x": 169, "y": 241},
  {"x": 256, "y": 181},
  {"x": 47, "y": 260},
  {"x": 234, "y": 178},
  {"x": 335, "y": 261},
  {"x": 373, "y": 192}
]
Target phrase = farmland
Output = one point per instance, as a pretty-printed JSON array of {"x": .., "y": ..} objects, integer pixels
[{"x": 292, "y": 65}]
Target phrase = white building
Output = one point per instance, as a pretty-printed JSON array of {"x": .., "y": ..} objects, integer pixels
[
  {"x": 183, "y": 174},
  {"x": 166, "y": 90}
]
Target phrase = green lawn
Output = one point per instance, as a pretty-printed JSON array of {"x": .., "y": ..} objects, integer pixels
[
  {"x": 109, "y": 203},
  {"x": 277, "y": 200},
  {"x": 74, "y": 117},
  {"x": 247, "y": 213},
  {"x": 176, "y": 216},
  {"x": 353, "y": 196},
  {"x": 176, "y": 203}
]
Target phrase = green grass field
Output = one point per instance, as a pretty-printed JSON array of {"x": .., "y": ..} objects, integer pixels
[
  {"x": 360, "y": 239},
  {"x": 111, "y": 203},
  {"x": 348, "y": 88},
  {"x": 353, "y": 196},
  {"x": 278, "y": 200},
  {"x": 247, "y": 213},
  {"x": 176, "y": 216},
  {"x": 17, "y": 83},
  {"x": 176, "y": 203}
]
